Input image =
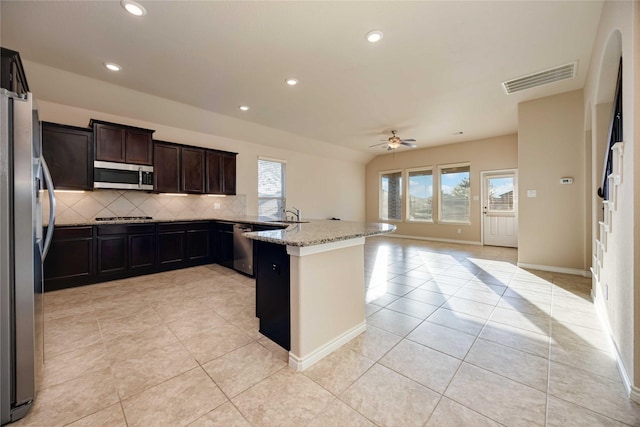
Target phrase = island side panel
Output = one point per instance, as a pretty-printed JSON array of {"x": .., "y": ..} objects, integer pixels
[{"x": 327, "y": 299}]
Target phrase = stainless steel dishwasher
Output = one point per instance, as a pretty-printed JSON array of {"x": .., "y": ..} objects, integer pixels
[{"x": 242, "y": 249}]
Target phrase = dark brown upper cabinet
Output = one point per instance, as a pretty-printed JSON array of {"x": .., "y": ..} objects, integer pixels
[
  {"x": 166, "y": 169},
  {"x": 193, "y": 170},
  {"x": 123, "y": 144},
  {"x": 12, "y": 75},
  {"x": 68, "y": 151},
  {"x": 186, "y": 169},
  {"x": 221, "y": 172}
]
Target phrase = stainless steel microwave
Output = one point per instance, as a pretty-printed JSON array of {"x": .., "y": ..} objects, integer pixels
[{"x": 122, "y": 176}]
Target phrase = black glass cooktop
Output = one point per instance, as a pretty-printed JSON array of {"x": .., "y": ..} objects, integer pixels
[{"x": 122, "y": 218}]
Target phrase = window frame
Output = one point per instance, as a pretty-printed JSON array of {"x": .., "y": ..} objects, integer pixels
[
  {"x": 380, "y": 198},
  {"x": 408, "y": 196},
  {"x": 440, "y": 194},
  {"x": 283, "y": 199}
]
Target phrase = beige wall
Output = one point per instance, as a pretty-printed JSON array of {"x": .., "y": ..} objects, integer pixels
[
  {"x": 484, "y": 155},
  {"x": 551, "y": 146},
  {"x": 617, "y": 292},
  {"x": 321, "y": 187}
]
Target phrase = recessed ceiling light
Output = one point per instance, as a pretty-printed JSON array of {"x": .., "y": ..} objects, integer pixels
[
  {"x": 133, "y": 8},
  {"x": 374, "y": 36},
  {"x": 291, "y": 81},
  {"x": 244, "y": 107},
  {"x": 112, "y": 66}
]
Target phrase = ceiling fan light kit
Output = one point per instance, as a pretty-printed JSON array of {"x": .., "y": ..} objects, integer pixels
[{"x": 395, "y": 141}]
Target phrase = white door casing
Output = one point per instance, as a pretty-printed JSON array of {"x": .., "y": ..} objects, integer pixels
[{"x": 500, "y": 208}]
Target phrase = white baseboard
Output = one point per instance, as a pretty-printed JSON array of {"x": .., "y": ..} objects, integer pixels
[
  {"x": 632, "y": 391},
  {"x": 554, "y": 269},
  {"x": 302, "y": 363},
  {"x": 434, "y": 239}
]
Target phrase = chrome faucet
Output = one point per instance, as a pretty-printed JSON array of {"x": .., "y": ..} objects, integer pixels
[{"x": 296, "y": 212}]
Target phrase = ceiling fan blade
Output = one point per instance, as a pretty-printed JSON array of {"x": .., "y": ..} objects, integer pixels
[
  {"x": 409, "y": 140},
  {"x": 408, "y": 144},
  {"x": 377, "y": 145}
]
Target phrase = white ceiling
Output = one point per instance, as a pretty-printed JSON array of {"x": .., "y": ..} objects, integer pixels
[{"x": 438, "y": 69}]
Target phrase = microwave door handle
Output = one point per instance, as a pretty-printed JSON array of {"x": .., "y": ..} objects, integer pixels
[{"x": 52, "y": 207}]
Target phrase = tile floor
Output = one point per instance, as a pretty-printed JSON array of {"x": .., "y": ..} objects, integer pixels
[{"x": 456, "y": 336}]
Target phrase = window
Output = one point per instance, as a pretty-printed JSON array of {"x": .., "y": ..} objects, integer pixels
[
  {"x": 419, "y": 195},
  {"x": 271, "y": 188},
  {"x": 455, "y": 202},
  {"x": 391, "y": 195}
]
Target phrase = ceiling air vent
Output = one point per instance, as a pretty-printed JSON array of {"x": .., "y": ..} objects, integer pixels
[{"x": 567, "y": 71}]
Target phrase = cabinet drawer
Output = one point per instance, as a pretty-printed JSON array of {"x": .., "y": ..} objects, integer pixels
[
  {"x": 110, "y": 230},
  {"x": 72, "y": 232}
]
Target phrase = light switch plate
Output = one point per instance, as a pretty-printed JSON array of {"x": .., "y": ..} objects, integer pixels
[{"x": 532, "y": 193}]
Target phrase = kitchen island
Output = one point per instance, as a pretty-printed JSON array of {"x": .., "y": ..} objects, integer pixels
[{"x": 322, "y": 262}]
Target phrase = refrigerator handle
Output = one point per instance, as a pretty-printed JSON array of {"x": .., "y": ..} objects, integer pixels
[{"x": 52, "y": 207}]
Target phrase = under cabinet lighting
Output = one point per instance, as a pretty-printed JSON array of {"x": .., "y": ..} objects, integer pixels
[
  {"x": 174, "y": 194},
  {"x": 291, "y": 81},
  {"x": 133, "y": 8},
  {"x": 69, "y": 191},
  {"x": 216, "y": 195}
]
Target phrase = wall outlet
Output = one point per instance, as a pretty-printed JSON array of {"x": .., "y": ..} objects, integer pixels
[
  {"x": 216, "y": 206},
  {"x": 459, "y": 230}
]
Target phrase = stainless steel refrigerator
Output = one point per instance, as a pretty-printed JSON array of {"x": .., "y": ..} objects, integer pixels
[{"x": 22, "y": 252}]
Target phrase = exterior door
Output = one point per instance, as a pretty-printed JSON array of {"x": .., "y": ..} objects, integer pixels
[{"x": 500, "y": 208}]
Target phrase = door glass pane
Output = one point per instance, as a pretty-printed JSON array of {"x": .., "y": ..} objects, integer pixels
[{"x": 501, "y": 194}]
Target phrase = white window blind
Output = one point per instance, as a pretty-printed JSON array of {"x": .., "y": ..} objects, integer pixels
[
  {"x": 271, "y": 188},
  {"x": 420, "y": 195},
  {"x": 455, "y": 203}
]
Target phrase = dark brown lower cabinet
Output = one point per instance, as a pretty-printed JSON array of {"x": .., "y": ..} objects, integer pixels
[
  {"x": 125, "y": 250},
  {"x": 184, "y": 244},
  {"x": 90, "y": 254},
  {"x": 70, "y": 261}
]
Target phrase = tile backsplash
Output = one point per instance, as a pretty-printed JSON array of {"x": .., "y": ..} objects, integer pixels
[{"x": 73, "y": 208}]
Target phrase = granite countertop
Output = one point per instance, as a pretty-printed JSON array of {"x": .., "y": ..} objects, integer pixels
[
  {"x": 317, "y": 232},
  {"x": 307, "y": 233}
]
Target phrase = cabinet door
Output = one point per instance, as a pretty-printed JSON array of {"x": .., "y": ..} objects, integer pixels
[
  {"x": 214, "y": 176},
  {"x": 272, "y": 292},
  {"x": 229, "y": 174},
  {"x": 226, "y": 248},
  {"x": 110, "y": 143},
  {"x": 70, "y": 261},
  {"x": 192, "y": 170},
  {"x": 142, "y": 252},
  {"x": 198, "y": 246},
  {"x": 171, "y": 249},
  {"x": 112, "y": 255},
  {"x": 166, "y": 169},
  {"x": 69, "y": 155},
  {"x": 138, "y": 147}
]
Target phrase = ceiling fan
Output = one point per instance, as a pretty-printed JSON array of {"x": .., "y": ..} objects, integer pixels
[{"x": 395, "y": 141}]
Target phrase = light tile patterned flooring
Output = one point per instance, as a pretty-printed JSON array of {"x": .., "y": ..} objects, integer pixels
[{"x": 456, "y": 336}]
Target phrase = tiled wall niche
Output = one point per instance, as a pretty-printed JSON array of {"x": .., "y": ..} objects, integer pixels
[{"x": 73, "y": 208}]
